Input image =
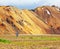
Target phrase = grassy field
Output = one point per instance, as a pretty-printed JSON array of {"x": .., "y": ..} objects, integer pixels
[{"x": 30, "y": 42}]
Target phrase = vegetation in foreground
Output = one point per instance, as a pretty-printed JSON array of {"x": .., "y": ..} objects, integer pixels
[
  {"x": 31, "y": 42},
  {"x": 4, "y": 41}
]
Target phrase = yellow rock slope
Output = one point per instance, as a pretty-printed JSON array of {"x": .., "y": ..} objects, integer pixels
[{"x": 13, "y": 20}]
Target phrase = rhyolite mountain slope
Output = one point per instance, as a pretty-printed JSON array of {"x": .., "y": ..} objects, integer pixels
[
  {"x": 42, "y": 20},
  {"x": 51, "y": 16}
]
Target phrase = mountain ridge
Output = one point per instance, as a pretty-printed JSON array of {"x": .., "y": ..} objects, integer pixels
[{"x": 14, "y": 20}]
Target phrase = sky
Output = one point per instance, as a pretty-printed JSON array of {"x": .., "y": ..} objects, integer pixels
[{"x": 29, "y": 4}]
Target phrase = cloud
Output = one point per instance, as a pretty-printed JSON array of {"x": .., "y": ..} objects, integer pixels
[
  {"x": 29, "y": 3},
  {"x": 18, "y": 2},
  {"x": 54, "y": 2}
]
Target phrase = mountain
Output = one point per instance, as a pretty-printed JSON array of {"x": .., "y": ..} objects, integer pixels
[
  {"x": 51, "y": 16},
  {"x": 42, "y": 20}
]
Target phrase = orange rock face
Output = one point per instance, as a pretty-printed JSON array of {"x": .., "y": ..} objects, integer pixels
[
  {"x": 51, "y": 16},
  {"x": 43, "y": 20}
]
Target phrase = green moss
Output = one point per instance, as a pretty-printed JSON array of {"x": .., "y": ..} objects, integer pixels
[
  {"x": 4, "y": 41},
  {"x": 42, "y": 38}
]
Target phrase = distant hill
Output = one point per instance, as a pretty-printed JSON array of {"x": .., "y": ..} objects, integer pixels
[{"x": 42, "y": 20}]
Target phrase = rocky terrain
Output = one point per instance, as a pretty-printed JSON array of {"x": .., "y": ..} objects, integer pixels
[{"x": 42, "y": 20}]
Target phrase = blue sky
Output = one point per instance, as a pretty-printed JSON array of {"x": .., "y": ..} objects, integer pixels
[{"x": 29, "y": 4}]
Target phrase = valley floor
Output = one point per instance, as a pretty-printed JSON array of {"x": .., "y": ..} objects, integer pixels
[{"x": 31, "y": 42}]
